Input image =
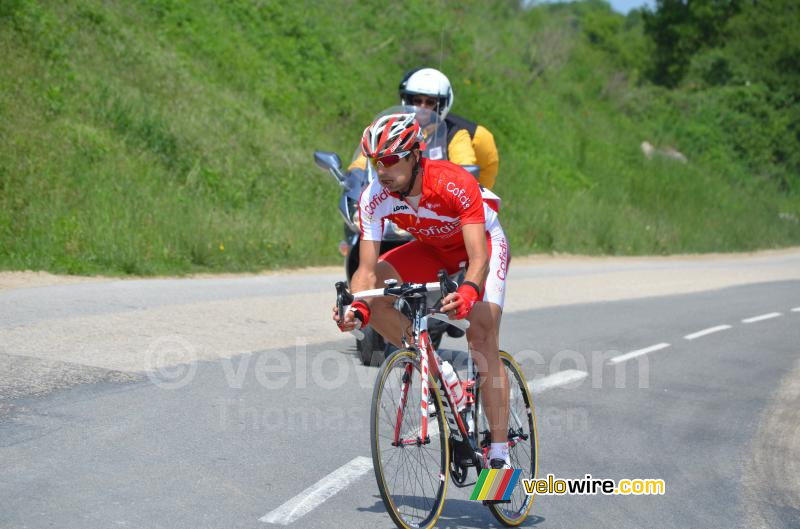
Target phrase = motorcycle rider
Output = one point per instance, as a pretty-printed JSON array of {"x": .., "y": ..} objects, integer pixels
[
  {"x": 453, "y": 220},
  {"x": 467, "y": 142}
]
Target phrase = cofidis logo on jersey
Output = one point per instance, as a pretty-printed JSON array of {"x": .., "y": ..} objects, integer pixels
[
  {"x": 460, "y": 194},
  {"x": 495, "y": 484},
  {"x": 375, "y": 201}
]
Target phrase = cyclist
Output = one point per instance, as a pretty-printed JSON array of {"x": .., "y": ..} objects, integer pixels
[
  {"x": 453, "y": 221},
  {"x": 467, "y": 142}
]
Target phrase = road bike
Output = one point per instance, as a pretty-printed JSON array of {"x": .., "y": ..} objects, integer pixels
[{"x": 420, "y": 438}]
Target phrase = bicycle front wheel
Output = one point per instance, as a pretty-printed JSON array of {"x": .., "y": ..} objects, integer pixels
[
  {"x": 521, "y": 440},
  {"x": 411, "y": 472}
]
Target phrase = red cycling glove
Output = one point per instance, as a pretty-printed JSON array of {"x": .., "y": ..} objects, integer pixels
[
  {"x": 361, "y": 310},
  {"x": 469, "y": 294}
]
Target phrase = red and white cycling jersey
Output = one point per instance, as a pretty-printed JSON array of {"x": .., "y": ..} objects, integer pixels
[{"x": 451, "y": 198}]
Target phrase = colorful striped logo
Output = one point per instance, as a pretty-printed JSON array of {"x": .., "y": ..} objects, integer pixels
[{"x": 495, "y": 485}]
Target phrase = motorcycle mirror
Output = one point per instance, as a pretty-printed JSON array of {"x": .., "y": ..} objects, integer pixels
[{"x": 328, "y": 160}]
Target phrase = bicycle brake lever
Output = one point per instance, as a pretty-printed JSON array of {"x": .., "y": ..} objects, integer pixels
[
  {"x": 446, "y": 285},
  {"x": 343, "y": 297}
]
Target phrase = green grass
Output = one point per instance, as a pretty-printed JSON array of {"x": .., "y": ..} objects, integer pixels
[{"x": 161, "y": 136}]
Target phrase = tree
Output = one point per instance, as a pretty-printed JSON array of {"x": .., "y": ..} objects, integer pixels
[{"x": 681, "y": 28}]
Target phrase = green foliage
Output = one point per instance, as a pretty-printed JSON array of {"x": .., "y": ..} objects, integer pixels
[
  {"x": 679, "y": 29},
  {"x": 738, "y": 63},
  {"x": 169, "y": 136}
]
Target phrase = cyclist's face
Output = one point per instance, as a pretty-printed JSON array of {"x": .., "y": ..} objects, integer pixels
[{"x": 396, "y": 177}]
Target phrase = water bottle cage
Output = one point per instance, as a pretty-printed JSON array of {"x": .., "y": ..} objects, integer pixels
[{"x": 469, "y": 394}]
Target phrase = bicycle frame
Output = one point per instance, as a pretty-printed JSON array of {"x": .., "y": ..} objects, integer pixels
[
  {"x": 429, "y": 364},
  {"x": 428, "y": 357}
]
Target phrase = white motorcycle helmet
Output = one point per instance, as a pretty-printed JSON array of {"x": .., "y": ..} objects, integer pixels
[{"x": 428, "y": 82}]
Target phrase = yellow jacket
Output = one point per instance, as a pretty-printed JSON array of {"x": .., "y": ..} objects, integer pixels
[
  {"x": 471, "y": 144},
  {"x": 467, "y": 144}
]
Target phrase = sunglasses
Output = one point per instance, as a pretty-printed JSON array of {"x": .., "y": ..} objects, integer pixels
[
  {"x": 389, "y": 160},
  {"x": 421, "y": 101}
]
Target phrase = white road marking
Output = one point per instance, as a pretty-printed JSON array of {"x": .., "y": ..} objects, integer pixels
[
  {"x": 762, "y": 317},
  {"x": 796, "y": 309},
  {"x": 704, "y": 332},
  {"x": 639, "y": 352},
  {"x": 561, "y": 378},
  {"x": 320, "y": 491}
]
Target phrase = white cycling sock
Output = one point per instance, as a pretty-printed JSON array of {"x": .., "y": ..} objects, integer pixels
[{"x": 499, "y": 451}]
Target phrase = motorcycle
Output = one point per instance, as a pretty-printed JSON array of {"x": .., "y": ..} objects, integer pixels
[{"x": 372, "y": 349}]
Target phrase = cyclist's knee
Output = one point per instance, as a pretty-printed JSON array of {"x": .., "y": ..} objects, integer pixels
[
  {"x": 384, "y": 271},
  {"x": 484, "y": 322}
]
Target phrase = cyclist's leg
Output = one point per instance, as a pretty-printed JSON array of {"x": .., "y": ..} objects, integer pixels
[
  {"x": 484, "y": 345},
  {"x": 412, "y": 261},
  {"x": 484, "y": 338}
]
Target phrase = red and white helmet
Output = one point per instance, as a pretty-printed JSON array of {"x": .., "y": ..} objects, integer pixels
[{"x": 391, "y": 134}]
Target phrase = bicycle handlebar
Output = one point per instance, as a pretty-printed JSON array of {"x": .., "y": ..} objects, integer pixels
[
  {"x": 444, "y": 285},
  {"x": 398, "y": 290}
]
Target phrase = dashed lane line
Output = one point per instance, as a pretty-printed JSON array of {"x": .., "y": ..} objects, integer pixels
[
  {"x": 317, "y": 493},
  {"x": 762, "y": 317},
  {"x": 639, "y": 352},
  {"x": 706, "y": 332},
  {"x": 555, "y": 380}
]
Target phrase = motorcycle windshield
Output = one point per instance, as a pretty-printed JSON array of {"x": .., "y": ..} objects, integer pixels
[{"x": 434, "y": 131}]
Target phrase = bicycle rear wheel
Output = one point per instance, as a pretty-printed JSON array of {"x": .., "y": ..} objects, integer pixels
[
  {"x": 412, "y": 476},
  {"x": 522, "y": 441}
]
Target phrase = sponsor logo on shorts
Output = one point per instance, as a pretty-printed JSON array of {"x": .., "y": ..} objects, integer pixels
[{"x": 503, "y": 256}]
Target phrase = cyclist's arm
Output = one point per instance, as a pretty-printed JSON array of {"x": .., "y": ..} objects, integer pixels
[
  {"x": 364, "y": 277},
  {"x": 371, "y": 223},
  {"x": 478, "y": 253}
]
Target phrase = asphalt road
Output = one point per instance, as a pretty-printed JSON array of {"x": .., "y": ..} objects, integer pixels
[{"x": 226, "y": 442}]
